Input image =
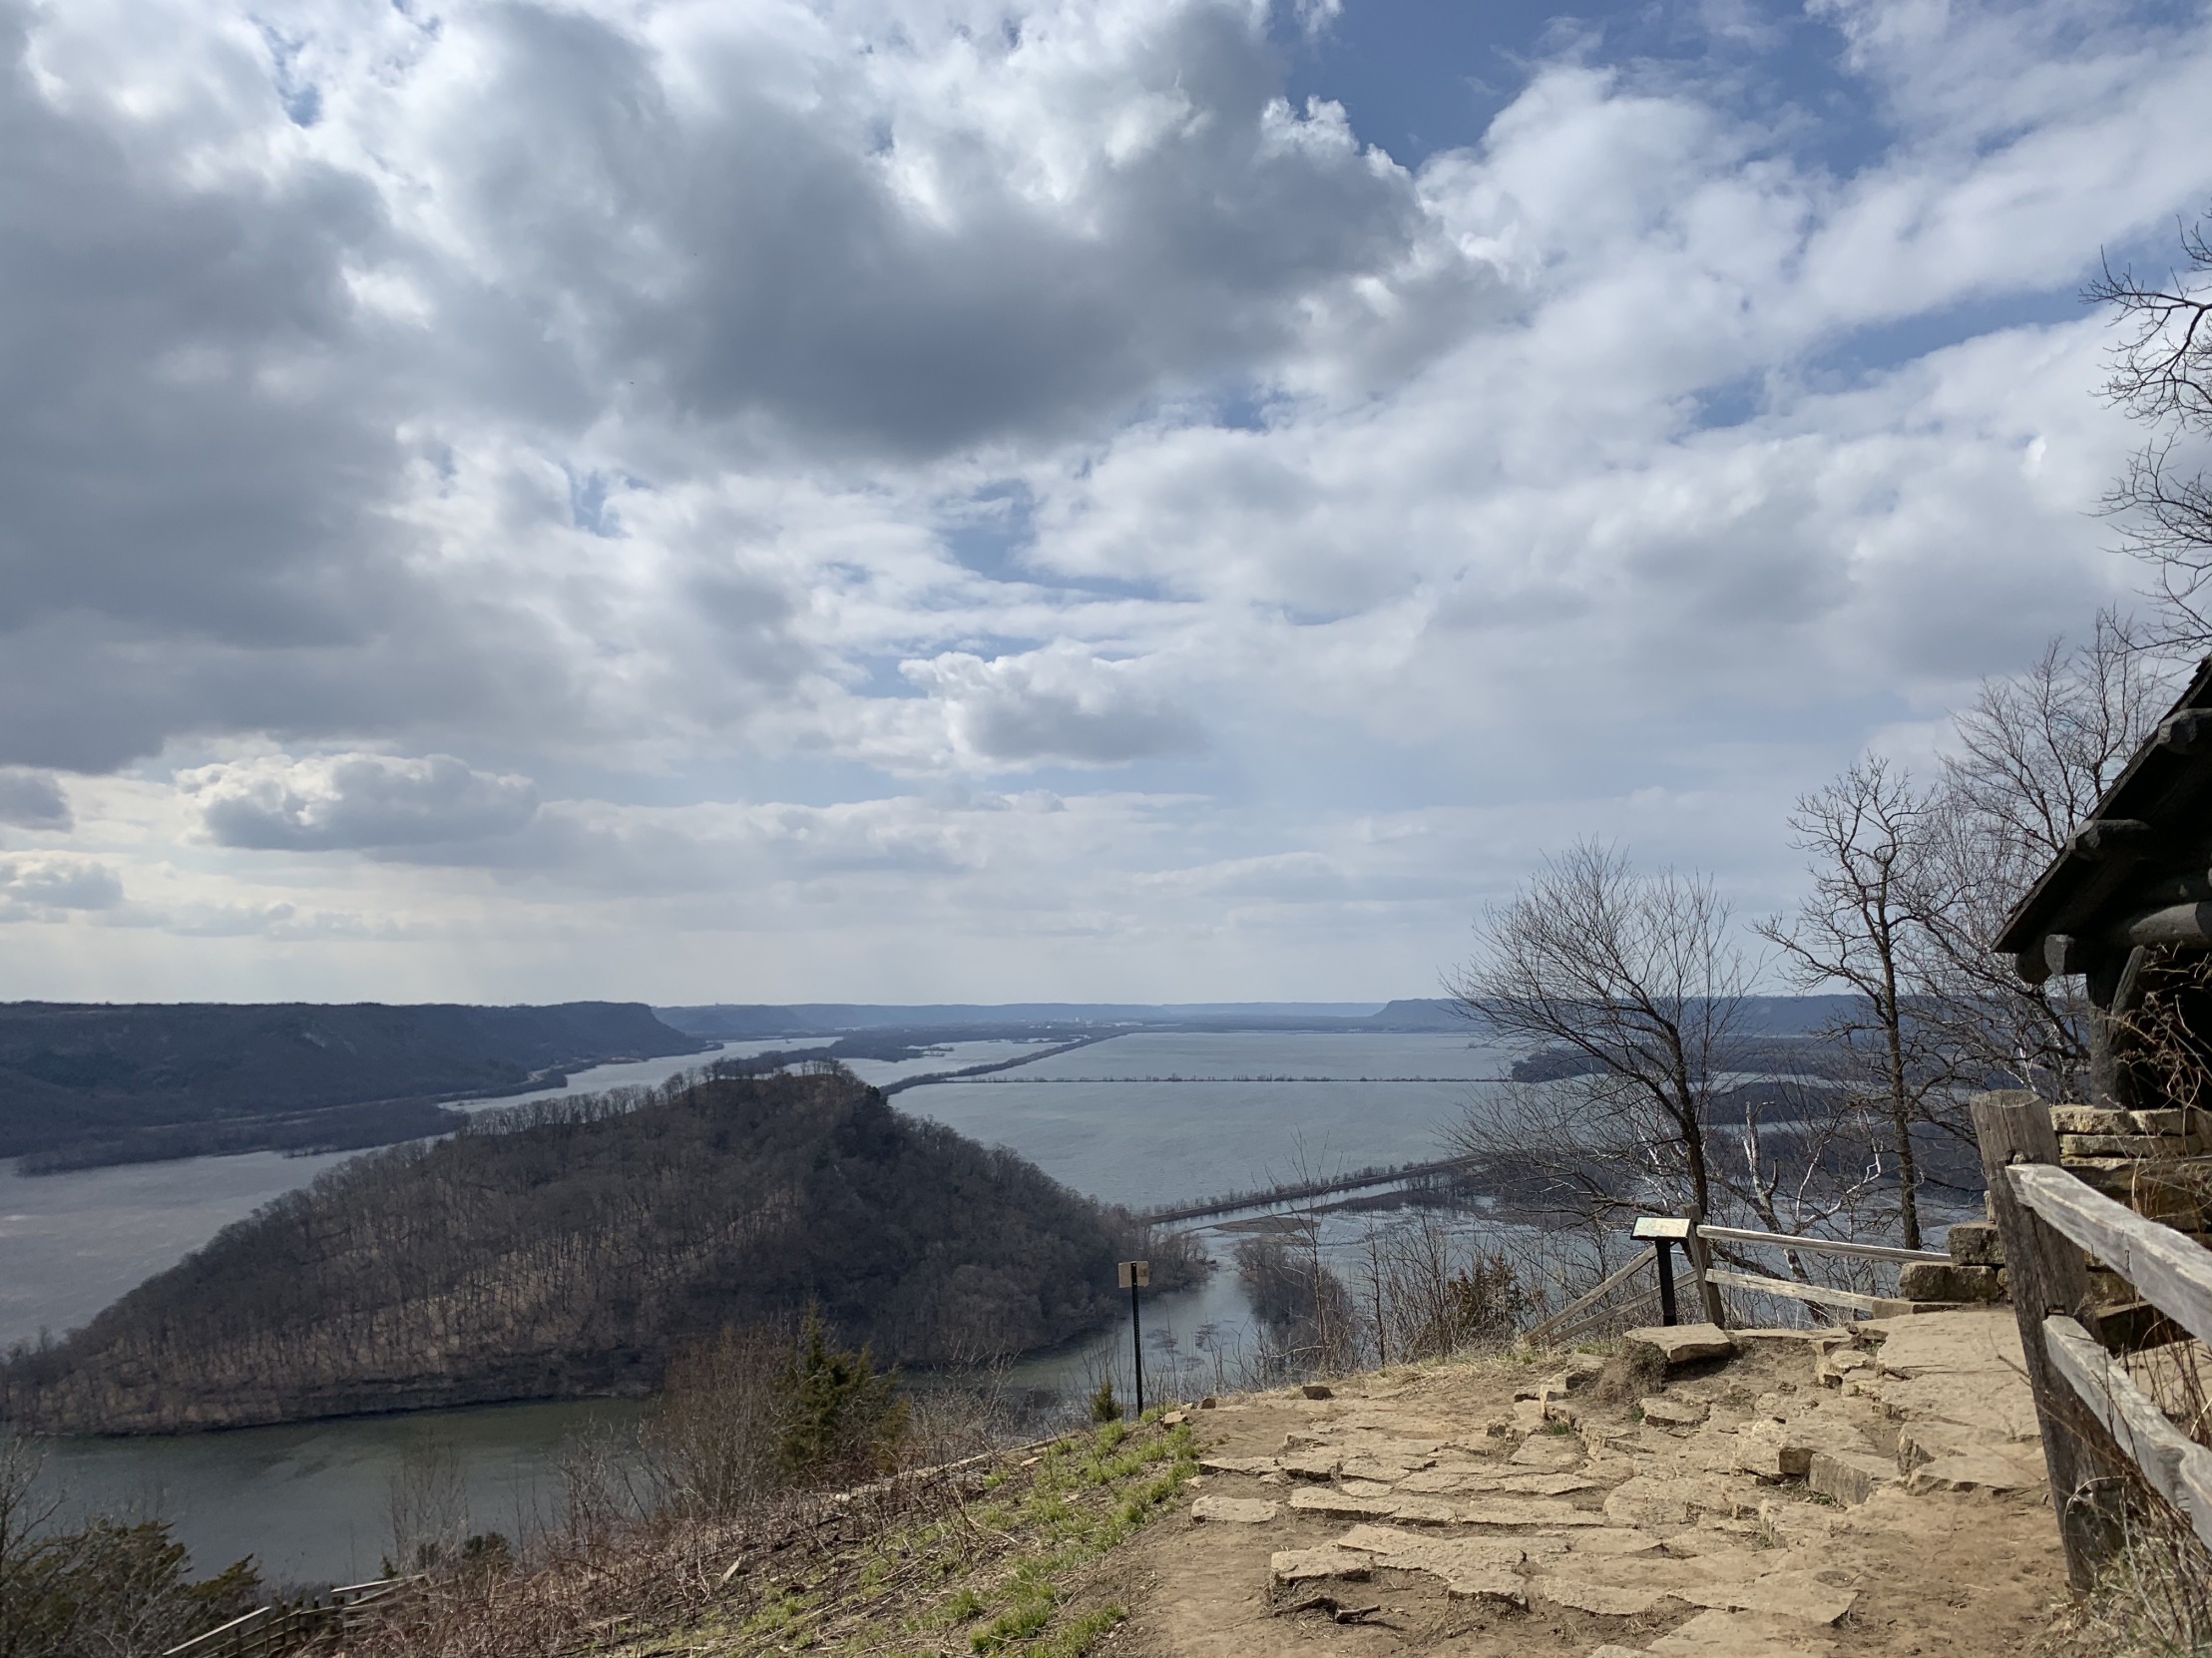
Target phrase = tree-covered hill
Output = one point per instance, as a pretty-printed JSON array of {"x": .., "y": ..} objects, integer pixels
[
  {"x": 84, "y": 1083},
  {"x": 567, "y": 1250}
]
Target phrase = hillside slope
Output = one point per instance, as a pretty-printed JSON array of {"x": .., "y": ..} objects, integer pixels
[
  {"x": 568, "y": 1257},
  {"x": 105, "y": 1084}
]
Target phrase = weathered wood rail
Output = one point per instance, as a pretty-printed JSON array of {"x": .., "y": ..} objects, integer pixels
[
  {"x": 267, "y": 1631},
  {"x": 1819, "y": 1295},
  {"x": 1695, "y": 1235},
  {"x": 2097, "y": 1423}
]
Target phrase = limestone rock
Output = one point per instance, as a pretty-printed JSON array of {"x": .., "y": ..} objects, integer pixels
[
  {"x": 1946, "y": 1281},
  {"x": 1526, "y": 1511},
  {"x": 1291, "y": 1566},
  {"x": 1336, "y": 1504},
  {"x": 1543, "y": 1484},
  {"x": 1613, "y": 1539},
  {"x": 1785, "y": 1450},
  {"x": 1492, "y": 1586},
  {"x": 1310, "y": 1464},
  {"x": 1952, "y": 1344},
  {"x": 1680, "y": 1345},
  {"x": 1798, "y": 1595},
  {"x": 1613, "y": 1600},
  {"x": 1237, "y": 1464},
  {"x": 1845, "y": 1361},
  {"x": 1424, "y": 1510},
  {"x": 1449, "y": 1481},
  {"x": 1849, "y": 1477},
  {"x": 1973, "y": 1472},
  {"x": 1644, "y": 1503},
  {"x": 1721, "y": 1634},
  {"x": 1235, "y": 1510},
  {"x": 1549, "y": 1453},
  {"x": 1974, "y": 1243},
  {"x": 1673, "y": 1413}
]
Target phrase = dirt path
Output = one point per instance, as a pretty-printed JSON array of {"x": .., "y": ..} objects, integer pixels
[{"x": 1877, "y": 1496}]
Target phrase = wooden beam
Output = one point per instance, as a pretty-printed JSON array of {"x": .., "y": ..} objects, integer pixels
[
  {"x": 2112, "y": 837},
  {"x": 2173, "y": 1271},
  {"x": 1792, "y": 1289},
  {"x": 1820, "y": 1246},
  {"x": 2181, "y": 926},
  {"x": 2174, "y": 1466},
  {"x": 1701, "y": 1267},
  {"x": 1546, "y": 1326},
  {"x": 2048, "y": 1276}
]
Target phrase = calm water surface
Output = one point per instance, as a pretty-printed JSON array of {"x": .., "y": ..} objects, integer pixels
[{"x": 309, "y": 1501}]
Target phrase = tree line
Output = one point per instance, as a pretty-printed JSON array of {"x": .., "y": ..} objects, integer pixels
[{"x": 567, "y": 1248}]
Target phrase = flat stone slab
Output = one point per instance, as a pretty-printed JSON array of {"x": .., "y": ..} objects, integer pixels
[
  {"x": 1948, "y": 1344},
  {"x": 1310, "y": 1464},
  {"x": 1235, "y": 1510},
  {"x": 1489, "y": 1586},
  {"x": 1337, "y": 1506},
  {"x": 1850, "y": 1476},
  {"x": 1785, "y": 1450},
  {"x": 1608, "y": 1600},
  {"x": 1997, "y": 1407},
  {"x": 1723, "y": 1634},
  {"x": 1419, "y": 1552},
  {"x": 1795, "y": 1596},
  {"x": 1424, "y": 1510},
  {"x": 1526, "y": 1511},
  {"x": 1613, "y": 1539},
  {"x": 1291, "y": 1566},
  {"x": 1543, "y": 1484},
  {"x": 1673, "y": 1413},
  {"x": 1451, "y": 1481},
  {"x": 1973, "y": 1472},
  {"x": 1388, "y": 1469},
  {"x": 1237, "y": 1464},
  {"x": 1678, "y": 1345},
  {"x": 1549, "y": 1453}
]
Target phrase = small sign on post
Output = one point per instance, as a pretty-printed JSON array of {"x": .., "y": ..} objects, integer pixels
[
  {"x": 1136, "y": 1275},
  {"x": 1663, "y": 1232}
]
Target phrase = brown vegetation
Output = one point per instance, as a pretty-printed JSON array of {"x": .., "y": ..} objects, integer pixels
[{"x": 566, "y": 1251}]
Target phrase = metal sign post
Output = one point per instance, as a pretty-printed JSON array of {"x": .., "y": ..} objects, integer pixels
[
  {"x": 1135, "y": 1275},
  {"x": 1664, "y": 1233}
]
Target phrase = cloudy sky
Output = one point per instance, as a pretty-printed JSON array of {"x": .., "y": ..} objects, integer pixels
[{"x": 769, "y": 500}]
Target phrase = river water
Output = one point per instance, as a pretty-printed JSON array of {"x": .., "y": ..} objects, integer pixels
[{"x": 1140, "y": 1120}]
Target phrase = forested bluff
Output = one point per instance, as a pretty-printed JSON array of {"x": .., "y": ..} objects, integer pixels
[{"x": 568, "y": 1248}]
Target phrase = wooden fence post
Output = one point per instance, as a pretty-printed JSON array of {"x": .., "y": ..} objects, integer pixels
[
  {"x": 2048, "y": 1275},
  {"x": 1702, "y": 1260}
]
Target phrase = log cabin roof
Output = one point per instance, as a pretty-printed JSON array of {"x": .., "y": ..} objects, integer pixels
[{"x": 2142, "y": 853}]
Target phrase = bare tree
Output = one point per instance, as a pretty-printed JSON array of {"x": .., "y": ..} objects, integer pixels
[
  {"x": 1869, "y": 836},
  {"x": 28, "y": 1507},
  {"x": 1636, "y": 974},
  {"x": 2036, "y": 753},
  {"x": 2162, "y": 376}
]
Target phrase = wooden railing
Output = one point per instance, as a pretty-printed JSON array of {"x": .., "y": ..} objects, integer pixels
[
  {"x": 1824, "y": 1295},
  {"x": 2096, "y": 1422},
  {"x": 1584, "y": 1310},
  {"x": 267, "y": 1631}
]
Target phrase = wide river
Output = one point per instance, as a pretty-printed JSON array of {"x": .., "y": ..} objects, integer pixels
[{"x": 1140, "y": 1120}]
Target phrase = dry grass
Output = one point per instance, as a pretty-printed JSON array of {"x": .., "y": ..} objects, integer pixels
[{"x": 964, "y": 1560}]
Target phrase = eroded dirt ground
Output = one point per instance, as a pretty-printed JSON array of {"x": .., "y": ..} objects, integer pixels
[{"x": 1871, "y": 1495}]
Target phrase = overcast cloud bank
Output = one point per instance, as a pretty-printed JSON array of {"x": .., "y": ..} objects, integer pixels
[{"x": 891, "y": 501}]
